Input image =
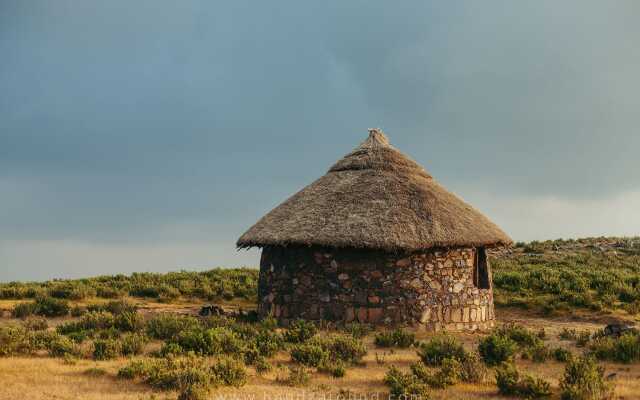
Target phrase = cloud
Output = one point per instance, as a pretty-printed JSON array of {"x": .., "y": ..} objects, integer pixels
[{"x": 121, "y": 121}]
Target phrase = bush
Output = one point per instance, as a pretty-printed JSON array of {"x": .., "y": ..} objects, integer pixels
[
  {"x": 338, "y": 371},
  {"x": 300, "y": 331},
  {"x": 625, "y": 349},
  {"x": 296, "y": 376},
  {"x": 511, "y": 384},
  {"x": 562, "y": 354},
  {"x": 405, "y": 386},
  {"x": 440, "y": 348},
  {"x": 519, "y": 334},
  {"x": 62, "y": 346},
  {"x": 106, "y": 349},
  {"x": 50, "y": 307},
  {"x": 583, "y": 338},
  {"x": 268, "y": 343},
  {"x": 583, "y": 380},
  {"x": 537, "y": 353},
  {"x": 261, "y": 365},
  {"x": 109, "y": 293},
  {"x": 473, "y": 369},
  {"x": 77, "y": 311},
  {"x": 230, "y": 372},
  {"x": 332, "y": 349},
  {"x": 310, "y": 354},
  {"x": 168, "y": 326},
  {"x": 133, "y": 344},
  {"x": 41, "y": 339},
  {"x": 211, "y": 341},
  {"x": 345, "y": 348},
  {"x": 396, "y": 338},
  {"x": 357, "y": 330},
  {"x": 23, "y": 310},
  {"x": 192, "y": 377},
  {"x": 568, "y": 334},
  {"x": 449, "y": 374},
  {"x": 495, "y": 349},
  {"x": 129, "y": 321},
  {"x": 134, "y": 369},
  {"x": 36, "y": 324},
  {"x": 118, "y": 307},
  {"x": 15, "y": 340}
]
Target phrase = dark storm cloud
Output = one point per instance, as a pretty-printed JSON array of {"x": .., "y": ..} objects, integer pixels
[{"x": 165, "y": 121}]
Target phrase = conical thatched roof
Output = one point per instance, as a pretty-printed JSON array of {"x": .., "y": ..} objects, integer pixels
[{"x": 375, "y": 197}]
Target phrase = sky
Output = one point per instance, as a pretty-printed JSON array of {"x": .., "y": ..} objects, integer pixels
[{"x": 149, "y": 135}]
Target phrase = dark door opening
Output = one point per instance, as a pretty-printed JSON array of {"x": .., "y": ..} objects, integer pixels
[{"x": 481, "y": 270}]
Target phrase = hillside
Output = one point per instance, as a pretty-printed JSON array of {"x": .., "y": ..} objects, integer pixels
[
  {"x": 550, "y": 277},
  {"x": 139, "y": 337}
]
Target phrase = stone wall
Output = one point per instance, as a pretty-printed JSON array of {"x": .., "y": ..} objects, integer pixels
[{"x": 434, "y": 290}]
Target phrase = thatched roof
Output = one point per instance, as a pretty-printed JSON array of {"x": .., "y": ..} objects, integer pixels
[{"x": 375, "y": 197}]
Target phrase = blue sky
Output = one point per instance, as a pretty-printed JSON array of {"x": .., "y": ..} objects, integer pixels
[{"x": 148, "y": 135}]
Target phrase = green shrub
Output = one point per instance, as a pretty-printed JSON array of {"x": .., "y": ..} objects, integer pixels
[
  {"x": 15, "y": 340},
  {"x": 36, "y": 324},
  {"x": 296, "y": 376},
  {"x": 310, "y": 354},
  {"x": 336, "y": 348},
  {"x": 51, "y": 307},
  {"x": 625, "y": 349},
  {"x": 396, "y": 338},
  {"x": 473, "y": 369},
  {"x": 357, "y": 330},
  {"x": 568, "y": 334},
  {"x": 167, "y": 294},
  {"x": 405, "y": 386},
  {"x": 168, "y": 326},
  {"x": 117, "y": 307},
  {"x": 583, "y": 338},
  {"x": 561, "y": 354},
  {"x": 537, "y": 353},
  {"x": 62, "y": 346},
  {"x": 78, "y": 311},
  {"x": 24, "y": 310},
  {"x": 300, "y": 331},
  {"x": 129, "y": 321},
  {"x": 510, "y": 383},
  {"x": 109, "y": 293},
  {"x": 133, "y": 344},
  {"x": 495, "y": 349},
  {"x": 211, "y": 341},
  {"x": 106, "y": 349},
  {"x": 439, "y": 348},
  {"x": 338, "y": 371},
  {"x": 268, "y": 343},
  {"x": 135, "y": 369},
  {"x": 170, "y": 349},
  {"x": 40, "y": 340},
  {"x": 448, "y": 374},
  {"x": 261, "y": 365},
  {"x": 269, "y": 323},
  {"x": 519, "y": 334},
  {"x": 229, "y": 372},
  {"x": 78, "y": 336},
  {"x": 583, "y": 379}
]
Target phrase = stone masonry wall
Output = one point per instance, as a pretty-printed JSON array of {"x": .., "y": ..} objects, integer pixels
[{"x": 434, "y": 290}]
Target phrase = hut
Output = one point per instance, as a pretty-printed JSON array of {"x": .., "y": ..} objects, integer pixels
[{"x": 376, "y": 240}]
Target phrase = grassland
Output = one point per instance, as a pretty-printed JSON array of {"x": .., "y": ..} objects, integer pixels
[{"x": 75, "y": 338}]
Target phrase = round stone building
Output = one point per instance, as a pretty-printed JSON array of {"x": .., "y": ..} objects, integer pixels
[{"x": 376, "y": 240}]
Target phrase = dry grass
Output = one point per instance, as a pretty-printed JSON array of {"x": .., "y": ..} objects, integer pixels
[{"x": 47, "y": 378}]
